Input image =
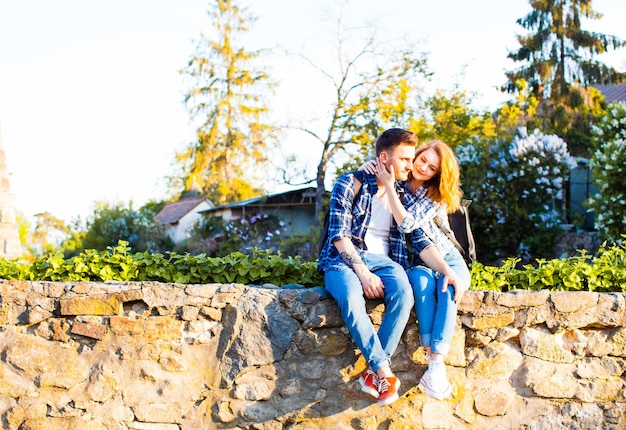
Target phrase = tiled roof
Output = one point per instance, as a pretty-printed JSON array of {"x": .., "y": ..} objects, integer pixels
[
  {"x": 173, "y": 212},
  {"x": 613, "y": 92}
]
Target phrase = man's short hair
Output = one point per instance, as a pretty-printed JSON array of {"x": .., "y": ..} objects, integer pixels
[{"x": 393, "y": 137}]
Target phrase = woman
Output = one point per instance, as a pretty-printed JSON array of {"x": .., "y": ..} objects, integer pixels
[{"x": 432, "y": 190}]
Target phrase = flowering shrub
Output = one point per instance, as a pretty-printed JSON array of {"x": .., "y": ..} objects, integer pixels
[
  {"x": 517, "y": 188},
  {"x": 252, "y": 231},
  {"x": 608, "y": 162}
]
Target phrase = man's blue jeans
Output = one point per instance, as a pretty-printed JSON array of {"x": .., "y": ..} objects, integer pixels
[
  {"x": 436, "y": 311},
  {"x": 344, "y": 285}
]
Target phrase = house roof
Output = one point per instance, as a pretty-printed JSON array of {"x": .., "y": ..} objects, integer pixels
[
  {"x": 173, "y": 212},
  {"x": 613, "y": 92},
  {"x": 298, "y": 197}
]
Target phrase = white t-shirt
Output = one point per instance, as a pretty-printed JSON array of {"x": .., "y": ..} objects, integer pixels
[{"x": 377, "y": 236}]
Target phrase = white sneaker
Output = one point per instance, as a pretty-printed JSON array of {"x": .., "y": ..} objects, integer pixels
[{"x": 434, "y": 382}]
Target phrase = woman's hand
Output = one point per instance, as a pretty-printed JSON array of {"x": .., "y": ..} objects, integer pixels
[
  {"x": 369, "y": 167},
  {"x": 459, "y": 289},
  {"x": 386, "y": 177}
]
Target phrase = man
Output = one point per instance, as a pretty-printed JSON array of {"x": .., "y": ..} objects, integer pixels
[{"x": 356, "y": 262}]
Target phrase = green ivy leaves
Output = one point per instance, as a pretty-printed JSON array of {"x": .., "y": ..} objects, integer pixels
[
  {"x": 119, "y": 264},
  {"x": 605, "y": 272}
]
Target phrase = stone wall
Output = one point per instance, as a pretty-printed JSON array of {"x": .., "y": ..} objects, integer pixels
[{"x": 173, "y": 357}]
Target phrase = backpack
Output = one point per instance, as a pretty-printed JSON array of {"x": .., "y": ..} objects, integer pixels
[
  {"x": 461, "y": 235},
  {"x": 358, "y": 178}
]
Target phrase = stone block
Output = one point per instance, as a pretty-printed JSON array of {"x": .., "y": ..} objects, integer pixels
[
  {"x": 211, "y": 313},
  {"x": 206, "y": 291},
  {"x": 332, "y": 344},
  {"x": 549, "y": 380},
  {"x": 471, "y": 301},
  {"x": 567, "y": 301},
  {"x": 54, "y": 289},
  {"x": 542, "y": 344},
  {"x": 492, "y": 402},
  {"x": 94, "y": 331},
  {"x": 617, "y": 339},
  {"x": 14, "y": 385},
  {"x": 163, "y": 295},
  {"x": 125, "y": 326},
  {"x": 50, "y": 363},
  {"x": 496, "y": 361},
  {"x": 163, "y": 329},
  {"x": 91, "y": 305},
  {"x": 522, "y": 298},
  {"x": 164, "y": 413},
  {"x": 81, "y": 287},
  {"x": 487, "y": 321}
]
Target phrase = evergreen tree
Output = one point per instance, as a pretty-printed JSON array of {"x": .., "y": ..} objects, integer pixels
[
  {"x": 559, "y": 53},
  {"x": 227, "y": 98},
  {"x": 559, "y": 65}
]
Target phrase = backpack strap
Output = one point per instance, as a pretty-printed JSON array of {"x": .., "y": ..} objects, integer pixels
[
  {"x": 471, "y": 245},
  {"x": 449, "y": 234},
  {"x": 357, "y": 188},
  {"x": 359, "y": 178}
]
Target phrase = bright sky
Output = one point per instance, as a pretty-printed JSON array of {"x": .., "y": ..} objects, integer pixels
[{"x": 91, "y": 99}]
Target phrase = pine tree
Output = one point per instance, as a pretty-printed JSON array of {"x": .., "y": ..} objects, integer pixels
[
  {"x": 560, "y": 67},
  {"x": 559, "y": 53}
]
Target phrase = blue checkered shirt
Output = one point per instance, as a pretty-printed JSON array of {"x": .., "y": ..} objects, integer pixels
[{"x": 348, "y": 219}]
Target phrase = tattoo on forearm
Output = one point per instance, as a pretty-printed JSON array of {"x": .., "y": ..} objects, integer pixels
[{"x": 351, "y": 259}]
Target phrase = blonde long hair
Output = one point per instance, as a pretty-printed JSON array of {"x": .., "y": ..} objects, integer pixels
[{"x": 445, "y": 186}]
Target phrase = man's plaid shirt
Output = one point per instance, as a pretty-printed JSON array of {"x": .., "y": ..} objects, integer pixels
[{"x": 348, "y": 219}]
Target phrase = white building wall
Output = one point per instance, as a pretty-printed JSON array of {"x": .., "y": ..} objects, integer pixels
[{"x": 180, "y": 231}]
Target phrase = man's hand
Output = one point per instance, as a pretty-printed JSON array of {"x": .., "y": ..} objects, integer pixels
[{"x": 372, "y": 285}]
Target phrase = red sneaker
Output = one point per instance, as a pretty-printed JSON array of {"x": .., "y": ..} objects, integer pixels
[
  {"x": 369, "y": 383},
  {"x": 388, "y": 390}
]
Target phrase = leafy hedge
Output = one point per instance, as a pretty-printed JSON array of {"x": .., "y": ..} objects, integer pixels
[
  {"x": 119, "y": 264},
  {"x": 605, "y": 272}
]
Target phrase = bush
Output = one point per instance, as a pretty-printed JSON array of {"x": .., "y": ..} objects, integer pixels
[
  {"x": 517, "y": 189},
  {"x": 120, "y": 264},
  {"x": 606, "y": 272},
  {"x": 218, "y": 237},
  {"x": 608, "y": 162},
  {"x": 110, "y": 223}
]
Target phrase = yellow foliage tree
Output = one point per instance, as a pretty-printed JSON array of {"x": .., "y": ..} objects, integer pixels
[{"x": 227, "y": 98}]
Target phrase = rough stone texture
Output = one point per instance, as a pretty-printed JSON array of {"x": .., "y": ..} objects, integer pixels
[{"x": 134, "y": 356}]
